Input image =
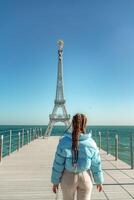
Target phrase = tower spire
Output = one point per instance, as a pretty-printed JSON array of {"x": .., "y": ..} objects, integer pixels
[
  {"x": 59, "y": 89},
  {"x": 59, "y": 98}
]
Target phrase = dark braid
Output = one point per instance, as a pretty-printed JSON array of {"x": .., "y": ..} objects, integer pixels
[{"x": 78, "y": 125}]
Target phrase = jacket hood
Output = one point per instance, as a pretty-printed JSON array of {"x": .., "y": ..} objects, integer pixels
[{"x": 83, "y": 136}]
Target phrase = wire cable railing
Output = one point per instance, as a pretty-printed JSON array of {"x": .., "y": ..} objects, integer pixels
[
  {"x": 119, "y": 146},
  {"x": 13, "y": 140}
]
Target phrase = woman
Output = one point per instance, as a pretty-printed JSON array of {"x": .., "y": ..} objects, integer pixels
[{"x": 77, "y": 154}]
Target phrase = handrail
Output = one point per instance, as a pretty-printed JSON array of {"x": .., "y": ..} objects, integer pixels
[
  {"x": 15, "y": 139},
  {"x": 116, "y": 146},
  {"x": 1, "y": 147},
  {"x": 11, "y": 140},
  {"x": 6, "y": 131}
]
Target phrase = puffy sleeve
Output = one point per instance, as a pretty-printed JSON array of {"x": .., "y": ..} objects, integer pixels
[
  {"x": 96, "y": 168},
  {"x": 58, "y": 165}
]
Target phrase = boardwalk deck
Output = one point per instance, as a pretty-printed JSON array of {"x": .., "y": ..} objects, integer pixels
[{"x": 25, "y": 175}]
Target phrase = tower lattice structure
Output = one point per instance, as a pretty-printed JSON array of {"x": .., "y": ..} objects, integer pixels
[{"x": 59, "y": 102}]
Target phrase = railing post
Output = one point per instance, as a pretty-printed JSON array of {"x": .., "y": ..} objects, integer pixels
[
  {"x": 22, "y": 138},
  {"x": 41, "y": 132},
  {"x": 116, "y": 147},
  {"x": 1, "y": 147},
  {"x": 27, "y": 137},
  {"x": 131, "y": 151},
  {"x": 10, "y": 142},
  {"x": 34, "y": 135},
  {"x": 99, "y": 140},
  {"x": 30, "y": 134},
  {"x": 18, "y": 141},
  {"x": 37, "y": 133},
  {"x": 107, "y": 136}
]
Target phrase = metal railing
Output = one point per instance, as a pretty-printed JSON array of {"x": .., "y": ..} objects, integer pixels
[
  {"x": 112, "y": 145},
  {"x": 13, "y": 140}
]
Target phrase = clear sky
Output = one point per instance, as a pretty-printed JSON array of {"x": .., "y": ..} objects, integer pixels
[{"x": 98, "y": 59}]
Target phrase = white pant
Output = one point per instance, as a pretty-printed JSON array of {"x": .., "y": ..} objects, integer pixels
[{"x": 76, "y": 186}]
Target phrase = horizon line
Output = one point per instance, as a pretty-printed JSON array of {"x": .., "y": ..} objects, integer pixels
[{"x": 64, "y": 125}]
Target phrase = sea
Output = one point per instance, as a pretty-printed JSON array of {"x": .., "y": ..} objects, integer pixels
[{"x": 108, "y": 135}]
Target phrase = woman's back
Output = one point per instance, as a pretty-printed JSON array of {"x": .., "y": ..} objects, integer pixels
[
  {"x": 88, "y": 157},
  {"x": 76, "y": 154},
  {"x": 86, "y": 147}
]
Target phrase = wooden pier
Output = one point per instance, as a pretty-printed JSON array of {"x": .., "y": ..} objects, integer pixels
[{"x": 25, "y": 174}]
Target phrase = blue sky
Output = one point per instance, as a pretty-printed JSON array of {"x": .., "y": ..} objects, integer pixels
[{"x": 98, "y": 59}]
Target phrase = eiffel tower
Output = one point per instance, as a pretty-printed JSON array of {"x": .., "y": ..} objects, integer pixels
[{"x": 59, "y": 102}]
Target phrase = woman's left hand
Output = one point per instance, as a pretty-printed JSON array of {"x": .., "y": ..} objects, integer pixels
[
  {"x": 100, "y": 187},
  {"x": 55, "y": 187}
]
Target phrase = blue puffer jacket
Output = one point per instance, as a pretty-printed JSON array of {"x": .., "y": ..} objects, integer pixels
[{"x": 88, "y": 158}]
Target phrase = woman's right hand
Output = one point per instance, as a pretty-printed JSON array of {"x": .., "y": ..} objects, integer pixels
[
  {"x": 55, "y": 187},
  {"x": 100, "y": 187}
]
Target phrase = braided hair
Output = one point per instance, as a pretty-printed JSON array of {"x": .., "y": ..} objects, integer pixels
[{"x": 78, "y": 125}]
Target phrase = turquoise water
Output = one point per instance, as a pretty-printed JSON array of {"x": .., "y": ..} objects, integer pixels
[{"x": 123, "y": 132}]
